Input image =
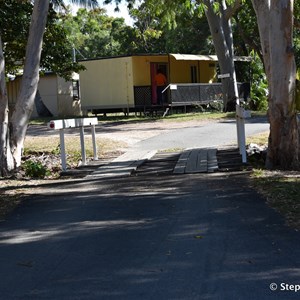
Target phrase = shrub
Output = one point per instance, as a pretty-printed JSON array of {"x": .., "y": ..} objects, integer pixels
[
  {"x": 35, "y": 169},
  {"x": 259, "y": 85}
]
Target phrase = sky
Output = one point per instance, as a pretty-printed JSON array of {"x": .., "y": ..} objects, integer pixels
[{"x": 123, "y": 13}]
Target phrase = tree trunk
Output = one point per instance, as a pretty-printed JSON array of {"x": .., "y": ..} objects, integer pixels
[
  {"x": 6, "y": 160},
  {"x": 275, "y": 22},
  {"x": 30, "y": 79},
  {"x": 221, "y": 31}
]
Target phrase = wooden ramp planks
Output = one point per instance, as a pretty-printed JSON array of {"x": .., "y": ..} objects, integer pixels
[
  {"x": 181, "y": 163},
  {"x": 212, "y": 161},
  {"x": 202, "y": 160}
]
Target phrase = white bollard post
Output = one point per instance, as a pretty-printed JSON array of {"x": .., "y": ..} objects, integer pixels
[
  {"x": 238, "y": 131},
  {"x": 83, "y": 155},
  {"x": 94, "y": 142},
  {"x": 62, "y": 150},
  {"x": 240, "y": 126},
  {"x": 243, "y": 140}
]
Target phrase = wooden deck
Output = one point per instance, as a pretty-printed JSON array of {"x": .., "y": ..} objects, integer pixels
[{"x": 197, "y": 161}]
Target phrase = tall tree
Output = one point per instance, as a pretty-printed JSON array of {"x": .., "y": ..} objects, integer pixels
[
  {"x": 6, "y": 158},
  {"x": 25, "y": 100},
  {"x": 275, "y": 22},
  {"x": 13, "y": 130},
  {"x": 219, "y": 19}
]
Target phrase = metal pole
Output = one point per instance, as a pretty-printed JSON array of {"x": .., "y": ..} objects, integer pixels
[
  {"x": 94, "y": 142},
  {"x": 62, "y": 150},
  {"x": 83, "y": 155},
  {"x": 166, "y": 88}
]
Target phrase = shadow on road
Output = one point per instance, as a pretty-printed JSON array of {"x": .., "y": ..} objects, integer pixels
[{"x": 158, "y": 236}]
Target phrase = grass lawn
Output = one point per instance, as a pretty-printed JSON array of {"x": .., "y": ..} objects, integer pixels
[
  {"x": 119, "y": 117},
  {"x": 280, "y": 188}
]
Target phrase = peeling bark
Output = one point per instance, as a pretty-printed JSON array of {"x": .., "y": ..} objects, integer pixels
[
  {"x": 6, "y": 159},
  {"x": 275, "y": 22},
  {"x": 30, "y": 79}
]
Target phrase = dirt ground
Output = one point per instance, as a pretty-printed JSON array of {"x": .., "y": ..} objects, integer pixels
[{"x": 126, "y": 132}]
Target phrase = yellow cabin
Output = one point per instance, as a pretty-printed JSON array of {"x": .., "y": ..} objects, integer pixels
[{"x": 127, "y": 82}]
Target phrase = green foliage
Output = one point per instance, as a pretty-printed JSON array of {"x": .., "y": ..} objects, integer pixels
[
  {"x": 246, "y": 34},
  {"x": 216, "y": 6},
  {"x": 94, "y": 34},
  {"x": 35, "y": 169},
  {"x": 57, "y": 54},
  {"x": 56, "y": 151},
  {"x": 75, "y": 156},
  {"x": 147, "y": 31},
  {"x": 297, "y": 35},
  {"x": 193, "y": 33},
  {"x": 14, "y": 26},
  {"x": 158, "y": 28},
  {"x": 259, "y": 86},
  {"x": 298, "y": 94},
  {"x": 15, "y": 17}
]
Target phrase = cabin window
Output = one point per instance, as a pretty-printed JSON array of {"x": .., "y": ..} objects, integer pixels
[
  {"x": 75, "y": 86},
  {"x": 194, "y": 74}
]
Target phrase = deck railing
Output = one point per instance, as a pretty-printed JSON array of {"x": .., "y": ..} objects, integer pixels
[
  {"x": 189, "y": 93},
  {"x": 182, "y": 94}
]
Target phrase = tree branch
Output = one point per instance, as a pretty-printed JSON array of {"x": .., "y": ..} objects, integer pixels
[
  {"x": 249, "y": 41},
  {"x": 231, "y": 10}
]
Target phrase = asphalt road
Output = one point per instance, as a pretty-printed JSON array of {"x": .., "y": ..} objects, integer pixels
[
  {"x": 148, "y": 237},
  {"x": 214, "y": 134}
]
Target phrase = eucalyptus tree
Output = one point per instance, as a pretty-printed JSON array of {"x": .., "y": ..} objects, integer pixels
[
  {"x": 13, "y": 129},
  {"x": 275, "y": 20},
  {"x": 219, "y": 15}
]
